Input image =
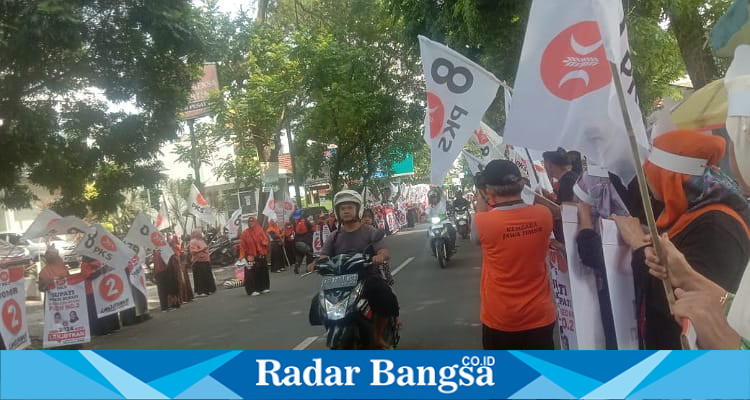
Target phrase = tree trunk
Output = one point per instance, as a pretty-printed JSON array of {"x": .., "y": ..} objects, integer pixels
[
  {"x": 262, "y": 10},
  {"x": 688, "y": 28}
]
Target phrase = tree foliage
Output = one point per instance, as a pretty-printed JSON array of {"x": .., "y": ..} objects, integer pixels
[{"x": 62, "y": 65}]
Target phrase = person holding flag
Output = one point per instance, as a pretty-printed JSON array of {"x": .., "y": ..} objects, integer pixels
[{"x": 254, "y": 249}]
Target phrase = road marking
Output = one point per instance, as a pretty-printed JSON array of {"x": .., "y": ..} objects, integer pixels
[
  {"x": 402, "y": 266},
  {"x": 308, "y": 341},
  {"x": 305, "y": 343}
]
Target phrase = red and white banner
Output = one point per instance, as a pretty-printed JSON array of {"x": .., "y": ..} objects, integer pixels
[
  {"x": 278, "y": 210},
  {"x": 41, "y": 224},
  {"x": 489, "y": 143},
  {"x": 393, "y": 225},
  {"x": 199, "y": 206},
  {"x": 49, "y": 223},
  {"x": 317, "y": 242},
  {"x": 617, "y": 258},
  {"x": 560, "y": 281},
  {"x": 325, "y": 232},
  {"x": 102, "y": 245},
  {"x": 583, "y": 288},
  {"x": 458, "y": 94},
  {"x": 565, "y": 93},
  {"x": 66, "y": 318},
  {"x": 475, "y": 165},
  {"x": 144, "y": 235},
  {"x": 112, "y": 293},
  {"x": 13, "y": 324},
  {"x": 519, "y": 157},
  {"x": 162, "y": 219},
  {"x": 137, "y": 276},
  {"x": 234, "y": 224}
]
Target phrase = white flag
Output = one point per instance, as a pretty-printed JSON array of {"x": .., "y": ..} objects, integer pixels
[
  {"x": 199, "y": 206},
  {"x": 41, "y": 224},
  {"x": 102, "y": 245},
  {"x": 489, "y": 143},
  {"x": 458, "y": 94},
  {"x": 270, "y": 209},
  {"x": 235, "y": 223},
  {"x": 162, "y": 219},
  {"x": 144, "y": 235},
  {"x": 508, "y": 99},
  {"x": 565, "y": 94},
  {"x": 475, "y": 165},
  {"x": 112, "y": 292}
]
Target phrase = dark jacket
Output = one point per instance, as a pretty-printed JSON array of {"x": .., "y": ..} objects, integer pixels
[{"x": 714, "y": 244}]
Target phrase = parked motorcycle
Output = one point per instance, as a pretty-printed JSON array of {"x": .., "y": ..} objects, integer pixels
[
  {"x": 462, "y": 221},
  {"x": 440, "y": 240},
  {"x": 223, "y": 251},
  {"x": 340, "y": 307}
]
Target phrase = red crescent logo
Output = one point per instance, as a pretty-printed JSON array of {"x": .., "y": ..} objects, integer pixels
[
  {"x": 108, "y": 243},
  {"x": 437, "y": 114}
]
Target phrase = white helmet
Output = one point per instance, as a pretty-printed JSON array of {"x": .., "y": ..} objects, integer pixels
[{"x": 348, "y": 196}]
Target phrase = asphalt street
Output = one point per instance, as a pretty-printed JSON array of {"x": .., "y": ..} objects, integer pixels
[{"x": 439, "y": 309}]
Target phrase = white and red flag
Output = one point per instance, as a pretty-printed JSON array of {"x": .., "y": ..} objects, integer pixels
[
  {"x": 489, "y": 143},
  {"x": 564, "y": 91},
  {"x": 458, "y": 93},
  {"x": 199, "y": 206}
]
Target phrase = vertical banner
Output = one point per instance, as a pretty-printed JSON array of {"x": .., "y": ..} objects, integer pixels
[
  {"x": 162, "y": 219},
  {"x": 565, "y": 94},
  {"x": 13, "y": 325},
  {"x": 617, "y": 257},
  {"x": 284, "y": 209},
  {"x": 317, "y": 242},
  {"x": 560, "y": 281},
  {"x": 137, "y": 276},
  {"x": 102, "y": 245},
  {"x": 234, "y": 224},
  {"x": 325, "y": 232},
  {"x": 66, "y": 318},
  {"x": 112, "y": 293},
  {"x": 458, "y": 94},
  {"x": 393, "y": 225},
  {"x": 146, "y": 236},
  {"x": 270, "y": 209},
  {"x": 583, "y": 288}
]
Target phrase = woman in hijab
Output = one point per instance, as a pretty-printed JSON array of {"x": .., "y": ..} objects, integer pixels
[
  {"x": 254, "y": 248},
  {"x": 597, "y": 198},
  {"x": 288, "y": 239},
  {"x": 167, "y": 281},
  {"x": 704, "y": 216},
  {"x": 183, "y": 278},
  {"x": 277, "y": 257},
  {"x": 202, "y": 275}
]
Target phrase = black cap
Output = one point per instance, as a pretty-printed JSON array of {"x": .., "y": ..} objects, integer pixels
[{"x": 501, "y": 172}]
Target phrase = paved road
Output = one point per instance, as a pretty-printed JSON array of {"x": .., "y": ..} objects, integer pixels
[{"x": 439, "y": 308}]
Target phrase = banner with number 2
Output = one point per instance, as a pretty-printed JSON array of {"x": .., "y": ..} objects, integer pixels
[
  {"x": 13, "y": 327},
  {"x": 112, "y": 293}
]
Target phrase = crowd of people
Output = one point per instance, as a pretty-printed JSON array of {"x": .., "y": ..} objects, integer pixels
[{"x": 704, "y": 226}]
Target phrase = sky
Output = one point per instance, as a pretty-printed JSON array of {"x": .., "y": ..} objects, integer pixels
[{"x": 234, "y": 5}]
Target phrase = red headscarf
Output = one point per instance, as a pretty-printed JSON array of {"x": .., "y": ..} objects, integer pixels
[
  {"x": 670, "y": 185},
  {"x": 253, "y": 241}
]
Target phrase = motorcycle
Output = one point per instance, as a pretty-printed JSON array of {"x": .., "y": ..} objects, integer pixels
[
  {"x": 462, "y": 221},
  {"x": 340, "y": 307},
  {"x": 223, "y": 251},
  {"x": 440, "y": 240}
]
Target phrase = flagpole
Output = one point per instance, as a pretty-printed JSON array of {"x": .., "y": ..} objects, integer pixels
[{"x": 642, "y": 185}]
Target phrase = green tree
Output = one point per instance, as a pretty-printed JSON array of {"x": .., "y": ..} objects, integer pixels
[{"x": 54, "y": 56}]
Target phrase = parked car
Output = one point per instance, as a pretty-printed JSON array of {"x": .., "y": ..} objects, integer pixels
[
  {"x": 35, "y": 248},
  {"x": 11, "y": 255}
]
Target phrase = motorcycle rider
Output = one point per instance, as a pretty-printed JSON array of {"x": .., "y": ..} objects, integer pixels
[
  {"x": 354, "y": 237},
  {"x": 460, "y": 203},
  {"x": 437, "y": 208}
]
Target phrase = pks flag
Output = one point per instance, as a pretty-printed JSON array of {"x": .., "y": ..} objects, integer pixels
[
  {"x": 565, "y": 93},
  {"x": 270, "y": 209},
  {"x": 162, "y": 219},
  {"x": 144, "y": 235},
  {"x": 234, "y": 223},
  {"x": 475, "y": 165},
  {"x": 41, "y": 224},
  {"x": 102, "y": 245},
  {"x": 13, "y": 326},
  {"x": 199, "y": 206},
  {"x": 489, "y": 143},
  {"x": 458, "y": 94}
]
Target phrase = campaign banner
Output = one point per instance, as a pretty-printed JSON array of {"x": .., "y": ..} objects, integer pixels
[
  {"x": 199, "y": 206},
  {"x": 557, "y": 265},
  {"x": 100, "y": 244},
  {"x": 137, "y": 276},
  {"x": 236, "y": 374},
  {"x": 583, "y": 287},
  {"x": 458, "y": 93},
  {"x": 317, "y": 242},
  {"x": 162, "y": 219},
  {"x": 144, "y": 235},
  {"x": 14, "y": 328},
  {"x": 66, "y": 318},
  {"x": 111, "y": 293},
  {"x": 488, "y": 142},
  {"x": 234, "y": 224},
  {"x": 617, "y": 258},
  {"x": 393, "y": 225},
  {"x": 41, "y": 224},
  {"x": 325, "y": 232}
]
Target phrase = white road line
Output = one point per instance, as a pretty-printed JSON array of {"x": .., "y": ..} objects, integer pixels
[
  {"x": 308, "y": 341},
  {"x": 402, "y": 266},
  {"x": 305, "y": 343}
]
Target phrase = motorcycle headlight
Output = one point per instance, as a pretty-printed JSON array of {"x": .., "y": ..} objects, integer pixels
[
  {"x": 336, "y": 311},
  {"x": 435, "y": 220}
]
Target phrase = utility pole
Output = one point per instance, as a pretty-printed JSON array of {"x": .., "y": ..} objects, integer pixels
[
  {"x": 294, "y": 164},
  {"x": 196, "y": 161}
]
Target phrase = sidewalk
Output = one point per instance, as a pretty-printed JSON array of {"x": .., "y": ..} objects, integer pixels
[{"x": 35, "y": 308}]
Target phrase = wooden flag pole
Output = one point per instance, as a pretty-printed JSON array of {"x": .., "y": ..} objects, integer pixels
[{"x": 642, "y": 185}]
